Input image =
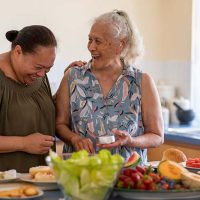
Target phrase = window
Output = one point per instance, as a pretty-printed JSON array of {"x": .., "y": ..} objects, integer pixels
[{"x": 195, "y": 70}]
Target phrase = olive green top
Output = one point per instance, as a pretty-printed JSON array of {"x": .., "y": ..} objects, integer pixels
[{"x": 24, "y": 110}]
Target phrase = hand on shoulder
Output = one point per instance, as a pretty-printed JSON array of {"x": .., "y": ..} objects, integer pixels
[{"x": 79, "y": 63}]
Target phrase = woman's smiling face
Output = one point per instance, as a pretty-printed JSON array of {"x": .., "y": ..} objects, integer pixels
[
  {"x": 31, "y": 66},
  {"x": 102, "y": 45}
]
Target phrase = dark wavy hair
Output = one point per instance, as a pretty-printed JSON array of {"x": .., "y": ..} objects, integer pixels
[{"x": 30, "y": 37}]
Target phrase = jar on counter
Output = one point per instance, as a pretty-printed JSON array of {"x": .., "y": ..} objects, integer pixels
[
  {"x": 165, "y": 114},
  {"x": 166, "y": 92}
]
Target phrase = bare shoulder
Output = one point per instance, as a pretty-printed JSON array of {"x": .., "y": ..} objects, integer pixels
[
  {"x": 146, "y": 78},
  {"x": 3, "y": 62},
  {"x": 63, "y": 84},
  {"x": 149, "y": 91},
  {"x": 148, "y": 82},
  {"x": 66, "y": 76}
]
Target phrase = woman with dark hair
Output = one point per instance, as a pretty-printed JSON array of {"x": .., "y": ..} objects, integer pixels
[
  {"x": 27, "y": 113},
  {"x": 109, "y": 95}
]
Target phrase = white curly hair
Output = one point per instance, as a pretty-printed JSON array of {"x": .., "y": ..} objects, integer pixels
[{"x": 123, "y": 29}]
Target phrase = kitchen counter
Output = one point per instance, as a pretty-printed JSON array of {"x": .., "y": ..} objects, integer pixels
[
  {"x": 56, "y": 194},
  {"x": 183, "y": 134},
  {"x": 182, "y": 137}
]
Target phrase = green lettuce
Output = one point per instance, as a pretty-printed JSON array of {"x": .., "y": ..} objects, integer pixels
[{"x": 87, "y": 177}]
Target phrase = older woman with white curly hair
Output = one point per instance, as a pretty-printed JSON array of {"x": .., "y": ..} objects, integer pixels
[{"x": 108, "y": 95}]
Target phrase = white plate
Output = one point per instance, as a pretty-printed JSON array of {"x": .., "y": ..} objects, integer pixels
[
  {"x": 44, "y": 185},
  {"x": 192, "y": 169},
  {"x": 10, "y": 179},
  {"x": 26, "y": 177},
  {"x": 17, "y": 185}
]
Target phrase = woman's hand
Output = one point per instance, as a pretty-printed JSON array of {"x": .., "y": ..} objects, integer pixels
[
  {"x": 79, "y": 63},
  {"x": 122, "y": 138},
  {"x": 37, "y": 143},
  {"x": 80, "y": 143}
]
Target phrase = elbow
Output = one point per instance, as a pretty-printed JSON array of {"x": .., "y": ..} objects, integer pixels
[
  {"x": 60, "y": 125},
  {"x": 59, "y": 129},
  {"x": 161, "y": 138}
]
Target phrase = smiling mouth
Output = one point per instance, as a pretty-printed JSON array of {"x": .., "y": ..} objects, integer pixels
[{"x": 95, "y": 56}]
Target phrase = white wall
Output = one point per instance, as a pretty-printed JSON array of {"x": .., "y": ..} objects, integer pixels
[
  {"x": 166, "y": 28},
  {"x": 68, "y": 19},
  {"x": 164, "y": 24}
]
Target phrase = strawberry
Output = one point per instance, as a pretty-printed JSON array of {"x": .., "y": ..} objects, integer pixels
[{"x": 140, "y": 169}]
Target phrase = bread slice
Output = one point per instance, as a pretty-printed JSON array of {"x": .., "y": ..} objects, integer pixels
[
  {"x": 42, "y": 173},
  {"x": 174, "y": 154},
  {"x": 42, "y": 169},
  {"x": 44, "y": 176}
]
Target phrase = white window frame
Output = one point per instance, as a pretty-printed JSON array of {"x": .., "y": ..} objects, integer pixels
[{"x": 195, "y": 59}]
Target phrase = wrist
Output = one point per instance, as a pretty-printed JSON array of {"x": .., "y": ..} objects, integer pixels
[
  {"x": 130, "y": 142},
  {"x": 74, "y": 138},
  {"x": 21, "y": 144}
]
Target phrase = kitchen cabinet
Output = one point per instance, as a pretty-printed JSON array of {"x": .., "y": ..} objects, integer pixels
[{"x": 184, "y": 138}]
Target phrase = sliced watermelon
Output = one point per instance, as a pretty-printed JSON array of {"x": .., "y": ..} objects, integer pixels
[{"x": 133, "y": 160}]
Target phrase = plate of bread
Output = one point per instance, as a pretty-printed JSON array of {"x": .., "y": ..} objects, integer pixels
[
  {"x": 19, "y": 191},
  {"x": 42, "y": 176}
]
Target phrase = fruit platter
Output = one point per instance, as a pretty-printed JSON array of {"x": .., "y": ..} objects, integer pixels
[{"x": 169, "y": 180}]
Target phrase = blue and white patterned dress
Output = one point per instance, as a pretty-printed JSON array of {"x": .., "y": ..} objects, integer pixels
[{"x": 93, "y": 115}]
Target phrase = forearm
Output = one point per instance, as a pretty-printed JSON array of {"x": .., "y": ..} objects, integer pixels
[
  {"x": 11, "y": 144},
  {"x": 64, "y": 133},
  {"x": 146, "y": 140}
]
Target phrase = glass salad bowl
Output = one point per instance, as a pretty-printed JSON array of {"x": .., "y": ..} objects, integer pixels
[{"x": 86, "y": 177}]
